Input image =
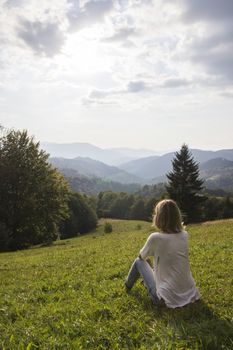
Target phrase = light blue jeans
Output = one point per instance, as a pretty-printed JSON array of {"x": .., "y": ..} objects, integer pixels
[{"x": 142, "y": 268}]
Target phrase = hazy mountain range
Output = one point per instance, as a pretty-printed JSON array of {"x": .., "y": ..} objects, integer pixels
[
  {"x": 152, "y": 167},
  {"x": 90, "y": 167},
  {"x": 216, "y": 167},
  {"x": 110, "y": 156}
]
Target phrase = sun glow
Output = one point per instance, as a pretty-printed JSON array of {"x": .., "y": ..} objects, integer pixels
[{"x": 87, "y": 55}]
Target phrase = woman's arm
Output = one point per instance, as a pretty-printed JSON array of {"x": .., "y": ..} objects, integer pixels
[{"x": 149, "y": 247}]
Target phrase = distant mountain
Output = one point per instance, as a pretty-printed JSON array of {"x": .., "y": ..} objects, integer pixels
[
  {"x": 216, "y": 168},
  {"x": 133, "y": 153},
  {"x": 156, "y": 167},
  {"x": 218, "y": 173},
  {"x": 89, "y": 167},
  {"x": 203, "y": 156},
  {"x": 149, "y": 167},
  {"x": 111, "y": 156},
  {"x": 216, "y": 163}
]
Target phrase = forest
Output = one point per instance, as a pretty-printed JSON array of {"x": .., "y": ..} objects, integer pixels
[{"x": 39, "y": 206}]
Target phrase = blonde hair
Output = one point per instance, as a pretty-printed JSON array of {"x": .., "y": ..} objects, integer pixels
[{"x": 167, "y": 217}]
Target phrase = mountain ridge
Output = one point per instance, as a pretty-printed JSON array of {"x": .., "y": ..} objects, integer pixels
[
  {"x": 110, "y": 156},
  {"x": 216, "y": 168},
  {"x": 90, "y": 167},
  {"x": 152, "y": 167}
]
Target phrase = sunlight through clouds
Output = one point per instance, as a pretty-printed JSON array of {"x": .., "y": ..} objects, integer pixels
[{"x": 111, "y": 57}]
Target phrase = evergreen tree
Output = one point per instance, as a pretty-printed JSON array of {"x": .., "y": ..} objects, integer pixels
[{"x": 184, "y": 185}]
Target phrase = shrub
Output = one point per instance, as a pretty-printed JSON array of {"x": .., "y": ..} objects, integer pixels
[
  {"x": 107, "y": 227},
  {"x": 138, "y": 227}
]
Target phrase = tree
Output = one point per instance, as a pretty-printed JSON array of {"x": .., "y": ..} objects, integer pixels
[
  {"x": 105, "y": 200},
  {"x": 184, "y": 185},
  {"x": 212, "y": 208},
  {"x": 82, "y": 218},
  {"x": 137, "y": 210},
  {"x": 227, "y": 211},
  {"x": 33, "y": 195},
  {"x": 149, "y": 207},
  {"x": 120, "y": 207}
]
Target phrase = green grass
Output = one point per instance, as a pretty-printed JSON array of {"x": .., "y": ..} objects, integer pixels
[{"x": 71, "y": 295}]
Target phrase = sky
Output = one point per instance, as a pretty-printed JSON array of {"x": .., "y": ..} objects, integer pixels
[{"x": 119, "y": 73}]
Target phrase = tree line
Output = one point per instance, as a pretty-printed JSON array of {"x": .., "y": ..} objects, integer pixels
[
  {"x": 38, "y": 206},
  {"x": 124, "y": 206}
]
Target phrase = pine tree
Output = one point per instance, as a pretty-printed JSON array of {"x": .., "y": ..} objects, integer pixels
[{"x": 184, "y": 185}]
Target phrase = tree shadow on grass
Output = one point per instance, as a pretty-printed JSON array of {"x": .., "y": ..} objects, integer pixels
[{"x": 195, "y": 326}]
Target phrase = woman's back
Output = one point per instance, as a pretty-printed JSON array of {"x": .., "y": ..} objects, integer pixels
[{"x": 173, "y": 277}]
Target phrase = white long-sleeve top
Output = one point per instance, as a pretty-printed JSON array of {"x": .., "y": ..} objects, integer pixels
[{"x": 173, "y": 278}]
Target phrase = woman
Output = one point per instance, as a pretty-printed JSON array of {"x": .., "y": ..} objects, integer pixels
[{"x": 171, "y": 281}]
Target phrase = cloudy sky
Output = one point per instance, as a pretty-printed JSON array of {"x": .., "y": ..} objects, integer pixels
[{"x": 119, "y": 73}]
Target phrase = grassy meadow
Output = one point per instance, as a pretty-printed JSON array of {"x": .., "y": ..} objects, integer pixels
[{"x": 71, "y": 295}]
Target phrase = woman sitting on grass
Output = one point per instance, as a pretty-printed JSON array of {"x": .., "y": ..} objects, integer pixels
[{"x": 171, "y": 282}]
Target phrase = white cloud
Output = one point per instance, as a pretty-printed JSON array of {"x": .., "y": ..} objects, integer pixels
[
  {"x": 208, "y": 10},
  {"x": 121, "y": 35},
  {"x": 140, "y": 57},
  {"x": 174, "y": 83},
  {"x": 133, "y": 87},
  {"x": 43, "y": 38},
  {"x": 81, "y": 15},
  {"x": 13, "y": 3}
]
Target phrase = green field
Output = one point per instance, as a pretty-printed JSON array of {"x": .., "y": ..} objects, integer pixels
[{"x": 71, "y": 295}]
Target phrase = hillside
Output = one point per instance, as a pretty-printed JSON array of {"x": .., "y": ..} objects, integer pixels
[
  {"x": 89, "y": 167},
  {"x": 149, "y": 167},
  {"x": 71, "y": 295},
  {"x": 218, "y": 173},
  {"x": 216, "y": 163},
  {"x": 94, "y": 185}
]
